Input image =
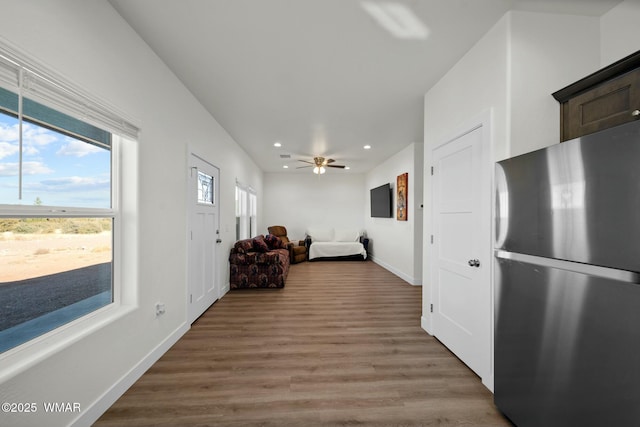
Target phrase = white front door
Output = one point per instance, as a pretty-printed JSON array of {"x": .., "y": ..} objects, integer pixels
[
  {"x": 461, "y": 253},
  {"x": 203, "y": 236}
]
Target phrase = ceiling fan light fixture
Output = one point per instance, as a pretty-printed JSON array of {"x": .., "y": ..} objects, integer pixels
[{"x": 320, "y": 165}]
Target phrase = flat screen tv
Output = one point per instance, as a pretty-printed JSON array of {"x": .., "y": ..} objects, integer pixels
[{"x": 381, "y": 201}]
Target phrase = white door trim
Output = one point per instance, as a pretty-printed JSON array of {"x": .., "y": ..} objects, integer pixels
[{"x": 483, "y": 121}]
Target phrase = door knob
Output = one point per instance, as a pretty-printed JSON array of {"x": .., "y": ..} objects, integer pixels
[
  {"x": 474, "y": 263},
  {"x": 635, "y": 113}
]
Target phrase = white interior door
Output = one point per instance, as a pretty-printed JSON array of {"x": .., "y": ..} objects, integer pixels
[
  {"x": 461, "y": 253},
  {"x": 203, "y": 236}
]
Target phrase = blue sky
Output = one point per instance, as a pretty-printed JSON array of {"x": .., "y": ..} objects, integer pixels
[{"x": 57, "y": 169}]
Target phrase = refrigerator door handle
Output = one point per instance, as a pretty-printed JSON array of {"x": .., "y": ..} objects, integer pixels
[
  {"x": 501, "y": 206},
  {"x": 577, "y": 267}
]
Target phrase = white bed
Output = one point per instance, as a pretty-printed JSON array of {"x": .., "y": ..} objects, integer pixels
[{"x": 330, "y": 243}]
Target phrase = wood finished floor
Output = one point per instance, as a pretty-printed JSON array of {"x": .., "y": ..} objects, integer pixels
[{"x": 340, "y": 345}]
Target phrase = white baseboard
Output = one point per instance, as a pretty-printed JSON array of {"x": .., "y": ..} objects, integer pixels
[
  {"x": 488, "y": 382},
  {"x": 101, "y": 405},
  {"x": 411, "y": 280}
]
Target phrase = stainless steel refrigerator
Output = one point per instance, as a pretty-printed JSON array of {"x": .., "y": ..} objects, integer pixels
[{"x": 567, "y": 326}]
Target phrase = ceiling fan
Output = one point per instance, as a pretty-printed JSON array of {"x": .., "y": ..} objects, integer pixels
[{"x": 320, "y": 164}]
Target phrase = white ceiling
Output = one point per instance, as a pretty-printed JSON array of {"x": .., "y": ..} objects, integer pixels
[{"x": 319, "y": 76}]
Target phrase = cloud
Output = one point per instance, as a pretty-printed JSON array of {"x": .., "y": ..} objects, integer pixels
[
  {"x": 30, "y": 151},
  {"x": 9, "y": 133},
  {"x": 7, "y": 149},
  {"x": 74, "y": 183},
  {"x": 31, "y": 134},
  {"x": 37, "y": 135},
  {"x": 33, "y": 137},
  {"x": 78, "y": 148},
  {"x": 28, "y": 168},
  {"x": 8, "y": 169},
  {"x": 35, "y": 168}
]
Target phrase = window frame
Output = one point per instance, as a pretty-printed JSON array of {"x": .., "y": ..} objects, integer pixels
[
  {"x": 246, "y": 221},
  {"x": 66, "y": 98},
  {"x": 124, "y": 296}
]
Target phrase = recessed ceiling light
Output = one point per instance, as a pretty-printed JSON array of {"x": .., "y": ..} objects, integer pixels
[
  {"x": 285, "y": 167},
  {"x": 367, "y": 147},
  {"x": 277, "y": 144},
  {"x": 347, "y": 167}
]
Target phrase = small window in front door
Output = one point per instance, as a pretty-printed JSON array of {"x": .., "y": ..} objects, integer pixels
[{"x": 205, "y": 188}]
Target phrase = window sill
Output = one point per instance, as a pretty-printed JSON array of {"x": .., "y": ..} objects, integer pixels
[{"x": 19, "y": 359}]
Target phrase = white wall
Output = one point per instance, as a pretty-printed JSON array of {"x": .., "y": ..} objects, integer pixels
[
  {"x": 89, "y": 44},
  {"x": 542, "y": 62},
  {"x": 511, "y": 72},
  {"x": 397, "y": 245},
  {"x": 619, "y": 29},
  {"x": 298, "y": 201}
]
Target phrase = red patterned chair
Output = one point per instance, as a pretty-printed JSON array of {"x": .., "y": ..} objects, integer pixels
[{"x": 261, "y": 262}]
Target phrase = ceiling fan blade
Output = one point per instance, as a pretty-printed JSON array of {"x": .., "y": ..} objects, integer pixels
[
  {"x": 336, "y": 166},
  {"x": 302, "y": 167},
  {"x": 329, "y": 161},
  {"x": 311, "y": 163}
]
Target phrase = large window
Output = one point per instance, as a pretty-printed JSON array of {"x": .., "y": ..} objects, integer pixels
[
  {"x": 246, "y": 212},
  {"x": 59, "y": 211}
]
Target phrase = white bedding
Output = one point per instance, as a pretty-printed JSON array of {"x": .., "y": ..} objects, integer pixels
[{"x": 331, "y": 249}]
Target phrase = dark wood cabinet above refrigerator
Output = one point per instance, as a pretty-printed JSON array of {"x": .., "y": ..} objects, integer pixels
[{"x": 606, "y": 98}]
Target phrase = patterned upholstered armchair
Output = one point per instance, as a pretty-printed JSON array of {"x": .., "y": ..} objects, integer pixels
[
  {"x": 261, "y": 262},
  {"x": 297, "y": 249}
]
